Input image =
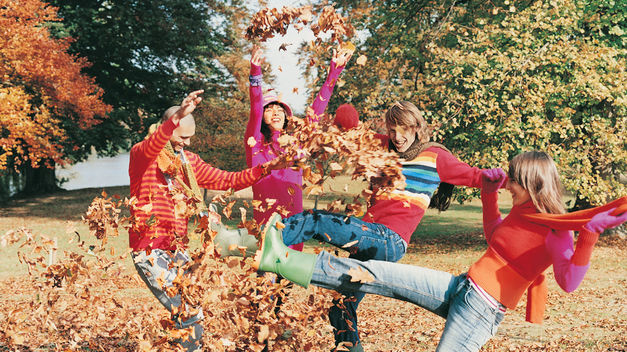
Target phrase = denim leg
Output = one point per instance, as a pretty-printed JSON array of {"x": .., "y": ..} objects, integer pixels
[
  {"x": 158, "y": 270},
  {"x": 427, "y": 288},
  {"x": 343, "y": 317},
  {"x": 369, "y": 240},
  {"x": 470, "y": 323}
]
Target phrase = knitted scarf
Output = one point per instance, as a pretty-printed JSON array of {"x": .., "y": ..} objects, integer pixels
[
  {"x": 170, "y": 164},
  {"x": 415, "y": 149},
  {"x": 575, "y": 220}
]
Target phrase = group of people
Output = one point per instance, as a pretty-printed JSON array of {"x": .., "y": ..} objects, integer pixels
[{"x": 535, "y": 235}]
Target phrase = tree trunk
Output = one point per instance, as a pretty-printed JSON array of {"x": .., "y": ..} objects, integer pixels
[{"x": 39, "y": 180}]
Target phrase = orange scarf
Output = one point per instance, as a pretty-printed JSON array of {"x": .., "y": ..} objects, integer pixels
[{"x": 575, "y": 220}]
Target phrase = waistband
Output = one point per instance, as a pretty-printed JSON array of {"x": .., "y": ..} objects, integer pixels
[{"x": 486, "y": 297}]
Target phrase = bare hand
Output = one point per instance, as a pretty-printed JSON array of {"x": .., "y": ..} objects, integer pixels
[
  {"x": 279, "y": 163},
  {"x": 256, "y": 57},
  {"x": 341, "y": 56},
  {"x": 188, "y": 105}
]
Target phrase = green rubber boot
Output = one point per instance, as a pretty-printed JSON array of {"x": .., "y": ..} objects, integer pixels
[
  {"x": 233, "y": 238},
  {"x": 274, "y": 256}
]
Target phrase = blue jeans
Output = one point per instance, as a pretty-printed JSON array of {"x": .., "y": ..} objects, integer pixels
[
  {"x": 470, "y": 320},
  {"x": 368, "y": 241},
  {"x": 162, "y": 266}
]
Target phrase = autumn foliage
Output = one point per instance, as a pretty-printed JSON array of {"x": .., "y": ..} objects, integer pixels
[{"x": 41, "y": 85}]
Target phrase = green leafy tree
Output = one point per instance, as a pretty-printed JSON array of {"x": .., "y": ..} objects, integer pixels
[
  {"x": 504, "y": 78},
  {"x": 146, "y": 55}
]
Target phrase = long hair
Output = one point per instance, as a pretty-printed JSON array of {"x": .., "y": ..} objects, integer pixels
[
  {"x": 265, "y": 129},
  {"x": 404, "y": 113},
  {"x": 536, "y": 172}
]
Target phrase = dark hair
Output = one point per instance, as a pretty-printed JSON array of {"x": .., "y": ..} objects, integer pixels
[
  {"x": 265, "y": 129},
  {"x": 442, "y": 197}
]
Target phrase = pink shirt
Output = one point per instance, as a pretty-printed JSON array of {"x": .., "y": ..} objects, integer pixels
[{"x": 282, "y": 185}]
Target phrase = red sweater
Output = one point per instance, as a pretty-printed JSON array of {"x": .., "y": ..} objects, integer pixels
[
  {"x": 149, "y": 186},
  {"x": 402, "y": 210}
]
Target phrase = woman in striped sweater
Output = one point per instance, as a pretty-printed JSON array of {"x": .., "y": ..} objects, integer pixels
[
  {"x": 520, "y": 248},
  {"x": 385, "y": 231}
]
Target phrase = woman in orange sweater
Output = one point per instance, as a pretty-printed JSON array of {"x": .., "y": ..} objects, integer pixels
[{"x": 520, "y": 248}]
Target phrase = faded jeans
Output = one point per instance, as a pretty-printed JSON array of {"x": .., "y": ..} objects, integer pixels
[
  {"x": 368, "y": 241},
  {"x": 470, "y": 320},
  {"x": 162, "y": 270}
]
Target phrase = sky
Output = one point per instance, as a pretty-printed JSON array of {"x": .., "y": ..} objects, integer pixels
[{"x": 290, "y": 76}]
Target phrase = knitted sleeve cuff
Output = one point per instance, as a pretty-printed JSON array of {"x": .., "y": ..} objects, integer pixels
[{"x": 585, "y": 245}]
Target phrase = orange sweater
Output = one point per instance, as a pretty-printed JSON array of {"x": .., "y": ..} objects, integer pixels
[
  {"x": 517, "y": 256},
  {"x": 149, "y": 186}
]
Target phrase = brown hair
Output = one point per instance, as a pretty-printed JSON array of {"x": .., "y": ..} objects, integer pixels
[
  {"x": 404, "y": 113},
  {"x": 536, "y": 172}
]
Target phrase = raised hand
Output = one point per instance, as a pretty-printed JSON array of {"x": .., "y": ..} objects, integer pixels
[
  {"x": 256, "y": 56},
  {"x": 279, "y": 163},
  {"x": 605, "y": 220},
  {"x": 343, "y": 54},
  {"x": 188, "y": 105},
  {"x": 492, "y": 179}
]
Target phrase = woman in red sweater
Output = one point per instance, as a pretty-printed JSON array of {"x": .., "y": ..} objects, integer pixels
[{"x": 520, "y": 248}]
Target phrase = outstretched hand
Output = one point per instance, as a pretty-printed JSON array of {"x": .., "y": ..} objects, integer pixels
[
  {"x": 188, "y": 105},
  {"x": 342, "y": 55},
  {"x": 256, "y": 56},
  {"x": 492, "y": 179},
  {"x": 605, "y": 220},
  {"x": 279, "y": 163}
]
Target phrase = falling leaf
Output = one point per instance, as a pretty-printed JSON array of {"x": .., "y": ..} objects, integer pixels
[
  {"x": 350, "y": 244},
  {"x": 251, "y": 141},
  {"x": 361, "y": 60}
]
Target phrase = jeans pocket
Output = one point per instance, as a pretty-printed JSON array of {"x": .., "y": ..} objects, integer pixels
[{"x": 479, "y": 306}]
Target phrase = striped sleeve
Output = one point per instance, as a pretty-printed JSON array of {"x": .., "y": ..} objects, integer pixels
[
  {"x": 210, "y": 177},
  {"x": 152, "y": 146}
]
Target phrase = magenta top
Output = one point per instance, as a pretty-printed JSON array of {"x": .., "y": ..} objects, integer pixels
[{"x": 282, "y": 185}]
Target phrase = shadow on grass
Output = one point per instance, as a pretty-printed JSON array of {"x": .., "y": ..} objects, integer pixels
[{"x": 63, "y": 205}]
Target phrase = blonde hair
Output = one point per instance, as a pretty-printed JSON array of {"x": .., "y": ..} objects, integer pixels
[
  {"x": 404, "y": 113},
  {"x": 536, "y": 172}
]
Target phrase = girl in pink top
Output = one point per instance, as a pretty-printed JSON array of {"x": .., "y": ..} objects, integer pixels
[{"x": 268, "y": 121}]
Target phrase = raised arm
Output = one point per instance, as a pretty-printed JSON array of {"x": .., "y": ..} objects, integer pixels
[
  {"x": 570, "y": 265},
  {"x": 253, "y": 129},
  {"x": 491, "y": 181},
  {"x": 338, "y": 62},
  {"x": 149, "y": 148}
]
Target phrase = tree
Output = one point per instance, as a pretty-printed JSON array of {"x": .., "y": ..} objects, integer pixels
[
  {"x": 146, "y": 55},
  {"x": 43, "y": 91},
  {"x": 517, "y": 76}
]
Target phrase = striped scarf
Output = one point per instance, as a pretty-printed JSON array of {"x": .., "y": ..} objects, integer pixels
[{"x": 170, "y": 164}]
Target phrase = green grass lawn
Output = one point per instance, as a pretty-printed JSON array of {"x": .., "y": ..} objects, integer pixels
[{"x": 592, "y": 318}]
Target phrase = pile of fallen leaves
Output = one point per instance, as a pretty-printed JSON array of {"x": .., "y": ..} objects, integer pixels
[{"x": 77, "y": 299}]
